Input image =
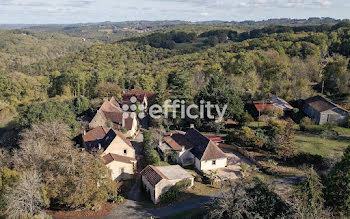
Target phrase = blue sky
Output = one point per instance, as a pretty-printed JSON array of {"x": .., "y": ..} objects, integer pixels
[{"x": 76, "y": 11}]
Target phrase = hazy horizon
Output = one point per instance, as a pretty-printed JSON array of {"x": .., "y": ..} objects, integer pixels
[{"x": 95, "y": 11}]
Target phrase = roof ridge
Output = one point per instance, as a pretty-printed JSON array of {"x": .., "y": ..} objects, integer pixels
[{"x": 158, "y": 172}]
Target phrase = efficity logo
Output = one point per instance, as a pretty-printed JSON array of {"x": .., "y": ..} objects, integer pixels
[{"x": 175, "y": 109}]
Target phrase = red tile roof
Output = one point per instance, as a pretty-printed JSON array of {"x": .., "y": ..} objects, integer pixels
[
  {"x": 109, "y": 158},
  {"x": 110, "y": 111},
  {"x": 273, "y": 102},
  {"x": 139, "y": 94},
  {"x": 102, "y": 136},
  {"x": 214, "y": 138},
  {"x": 177, "y": 141},
  {"x": 95, "y": 134},
  {"x": 153, "y": 175}
]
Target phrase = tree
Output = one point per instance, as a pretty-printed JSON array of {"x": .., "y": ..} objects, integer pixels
[
  {"x": 282, "y": 138},
  {"x": 219, "y": 92},
  {"x": 179, "y": 82},
  {"x": 108, "y": 89},
  {"x": 249, "y": 200},
  {"x": 151, "y": 155},
  {"x": 52, "y": 110},
  {"x": 245, "y": 137},
  {"x": 73, "y": 178},
  {"x": 336, "y": 75},
  {"x": 337, "y": 186},
  {"x": 308, "y": 198},
  {"x": 28, "y": 197},
  {"x": 8, "y": 179},
  {"x": 80, "y": 105}
]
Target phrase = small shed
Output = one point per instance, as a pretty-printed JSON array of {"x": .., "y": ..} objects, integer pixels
[{"x": 321, "y": 111}]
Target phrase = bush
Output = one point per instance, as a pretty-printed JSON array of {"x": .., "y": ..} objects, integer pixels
[
  {"x": 151, "y": 155},
  {"x": 172, "y": 194},
  {"x": 245, "y": 137},
  {"x": 309, "y": 159},
  {"x": 244, "y": 167},
  {"x": 305, "y": 124}
]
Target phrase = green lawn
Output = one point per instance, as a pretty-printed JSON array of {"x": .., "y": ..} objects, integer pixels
[
  {"x": 322, "y": 146},
  {"x": 342, "y": 130}
]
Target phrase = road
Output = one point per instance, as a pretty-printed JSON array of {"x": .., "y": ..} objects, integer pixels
[{"x": 134, "y": 210}]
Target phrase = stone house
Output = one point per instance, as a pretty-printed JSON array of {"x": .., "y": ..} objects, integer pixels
[
  {"x": 117, "y": 151},
  {"x": 322, "y": 111},
  {"x": 158, "y": 180},
  {"x": 110, "y": 111},
  {"x": 192, "y": 148},
  {"x": 145, "y": 98}
]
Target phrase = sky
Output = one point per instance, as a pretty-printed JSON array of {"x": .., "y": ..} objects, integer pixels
[{"x": 83, "y": 11}]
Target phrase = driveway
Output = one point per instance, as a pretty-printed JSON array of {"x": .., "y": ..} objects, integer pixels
[
  {"x": 132, "y": 209},
  {"x": 137, "y": 143},
  {"x": 234, "y": 161}
]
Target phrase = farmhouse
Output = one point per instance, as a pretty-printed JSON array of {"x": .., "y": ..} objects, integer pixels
[
  {"x": 192, "y": 148},
  {"x": 158, "y": 180},
  {"x": 110, "y": 111},
  {"x": 118, "y": 153},
  {"x": 322, "y": 110}
]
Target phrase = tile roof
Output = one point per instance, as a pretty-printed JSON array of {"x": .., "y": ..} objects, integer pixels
[
  {"x": 139, "y": 94},
  {"x": 153, "y": 175},
  {"x": 111, "y": 110},
  {"x": 177, "y": 141},
  {"x": 321, "y": 104},
  {"x": 95, "y": 134},
  {"x": 109, "y": 158},
  {"x": 204, "y": 149},
  {"x": 214, "y": 138},
  {"x": 273, "y": 102},
  {"x": 102, "y": 136}
]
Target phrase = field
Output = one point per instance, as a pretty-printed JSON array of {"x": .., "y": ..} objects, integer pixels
[{"x": 325, "y": 147}]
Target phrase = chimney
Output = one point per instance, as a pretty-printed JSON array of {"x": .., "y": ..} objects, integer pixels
[
  {"x": 84, "y": 132},
  {"x": 171, "y": 134},
  {"x": 99, "y": 146},
  {"x": 183, "y": 148},
  {"x": 192, "y": 126}
]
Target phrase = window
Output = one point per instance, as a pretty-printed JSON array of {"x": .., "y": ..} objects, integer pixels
[
  {"x": 121, "y": 170},
  {"x": 214, "y": 162},
  {"x": 125, "y": 151}
]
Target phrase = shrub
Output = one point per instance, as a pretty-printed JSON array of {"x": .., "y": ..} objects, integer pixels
[
  {"x": 309, "y": 159},
  {"x": 172, "y": 194},
  {"x": 305, "y": 124},
  {"x": 244, "y": 167},
  {"x": 151, "y": 155},
  {"x": 245, "y": 137}
]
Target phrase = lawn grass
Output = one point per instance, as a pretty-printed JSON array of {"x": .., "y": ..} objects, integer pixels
[
  {"x": 342, "y": 130},
  {"x": 314, "y": 144},
  {"x": 163, "y": 163}
]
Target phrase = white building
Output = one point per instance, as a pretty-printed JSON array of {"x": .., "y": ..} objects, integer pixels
[
  {"x": 158, "y": 180},
  {"x": 192, "y": 148}
]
